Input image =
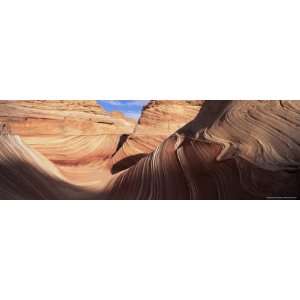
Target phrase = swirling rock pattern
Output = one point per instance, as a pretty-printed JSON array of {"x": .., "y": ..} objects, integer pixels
[
  {"x": 159, "y": 119},
  {"x": 226, "y": 150},
  {"x": 78, "y": 137},
  {"x": 231, "y": 150},
  {"x": 82, "y": 159},
  {"x": 26, "y": 174}
]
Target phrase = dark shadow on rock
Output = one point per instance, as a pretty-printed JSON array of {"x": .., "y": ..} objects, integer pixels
[
  {"x": 126, "y": 162},
  {"x": 210, "y": 111},
  {"x": 122, "y": 140},
  {"x": 20, "y": 180}
]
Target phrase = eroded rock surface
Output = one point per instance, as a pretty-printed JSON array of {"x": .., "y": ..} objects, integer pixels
[
  {"x": 159, "y": 119},
  {"x": 225, "y": 150},
  {"x": 27, "y": 174},
  {"x": 230, "y": 150},
  {"x": 61, "y": 117},
  {"x": 78, "y": 137}
]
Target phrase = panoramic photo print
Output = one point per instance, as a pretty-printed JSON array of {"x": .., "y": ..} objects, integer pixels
[{"x": 156, "y": 149}]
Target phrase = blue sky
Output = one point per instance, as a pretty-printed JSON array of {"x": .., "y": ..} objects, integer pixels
[{"x": 130, "y": 108}]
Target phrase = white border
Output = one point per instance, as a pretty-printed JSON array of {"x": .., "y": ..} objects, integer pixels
[
  {"x": 162, "y": 49},
  {"x": 137, "y": 49},
  {"x": 149, "y": 250}
]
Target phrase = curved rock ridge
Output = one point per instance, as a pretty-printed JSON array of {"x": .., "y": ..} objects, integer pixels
[
  {"x": 166, "y": 116},
  {"x": 79, "y": 137},
  {"x": 231, "y": 150},
  {"x": 62, "y": 117},
  {"x": 159, "y": 119},
  {"x": 84, "y": 159},
  {"x": 263, "y": 132},
  {"x": 74, "y": 150},
  {"x": 26, "y": 174}
]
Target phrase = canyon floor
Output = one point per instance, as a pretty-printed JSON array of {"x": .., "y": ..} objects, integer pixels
[{"x": 175, "y": 150}]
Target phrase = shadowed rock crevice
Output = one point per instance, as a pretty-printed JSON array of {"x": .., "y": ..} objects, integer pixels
[
  {"x": 126, "y": 162},
  {"x": 4, "y": 129},
  {"x": 123, "y": 138}
]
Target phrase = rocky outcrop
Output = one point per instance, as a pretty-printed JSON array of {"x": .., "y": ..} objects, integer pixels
[
  {"x": 159, "y": 119},
  {"x": 231, "y": 150},
  {"x": 226, "y": 150},
  {"x": 78, "y": 137},
  {"x": 26, "y": 174},
  {"x": 42, "y": 117},
  {"x": 163, "y": 117}
]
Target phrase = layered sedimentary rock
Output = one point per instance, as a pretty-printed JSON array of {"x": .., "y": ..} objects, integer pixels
[
  {"x": 78, "y": 137},
  {"x": 84, "y": 160},
  {"x": 61, "y": 117},
  {"x": 26, "y": 174},
  {"x": 231, "y": 150},
  {"x": 226, "y": 150},
  {"x": 159, "y": 119}
]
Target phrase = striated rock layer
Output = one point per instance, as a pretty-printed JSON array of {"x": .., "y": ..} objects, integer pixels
[
  {"x": 26, "y": 174},
  {"x": 78, "y": 137},
  {"x": 231, "y": 150},
  {"x": 61, "y": 117},
  {"x": 159, "y": 119},
  {"x": 226, "y": 150}
]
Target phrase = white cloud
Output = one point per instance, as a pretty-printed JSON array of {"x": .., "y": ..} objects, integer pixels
[
  {"x": 139, "y": 103},
  {"x": 131, "y": 114},
  {"x": 114, "y": 102}
]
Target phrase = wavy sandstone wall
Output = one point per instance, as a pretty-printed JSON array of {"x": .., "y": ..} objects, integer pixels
[
  {"x": 231, "y": 150},
  {"x": 26, "y": 174},
  {"x": 62, "y": 117},
  {"x": 159, "y": 119},
  {"x": 226, "y": 150},
  {"x": 79, "y": 137}
]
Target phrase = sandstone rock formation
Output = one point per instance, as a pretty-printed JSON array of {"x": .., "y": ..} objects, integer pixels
[
  {"x": 26, "y": 174},
  {"x": 231, "y": 150},
  {"x": 61, "y": 117},
  {"x": 79, "y": 137},
  {"x": 226, "y": 150},
  {"x": 159, "y": 119}
]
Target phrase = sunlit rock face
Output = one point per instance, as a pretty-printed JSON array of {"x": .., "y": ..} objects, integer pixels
[
  {"x": 230, "y": 150},
  {"x": 166, "y": 116},
  {"x": 78, "y": 137},
  {"x": 61, "y": 117},
  {"x": 27, "y": 174},
  {"x": 159, "y": 119}
]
